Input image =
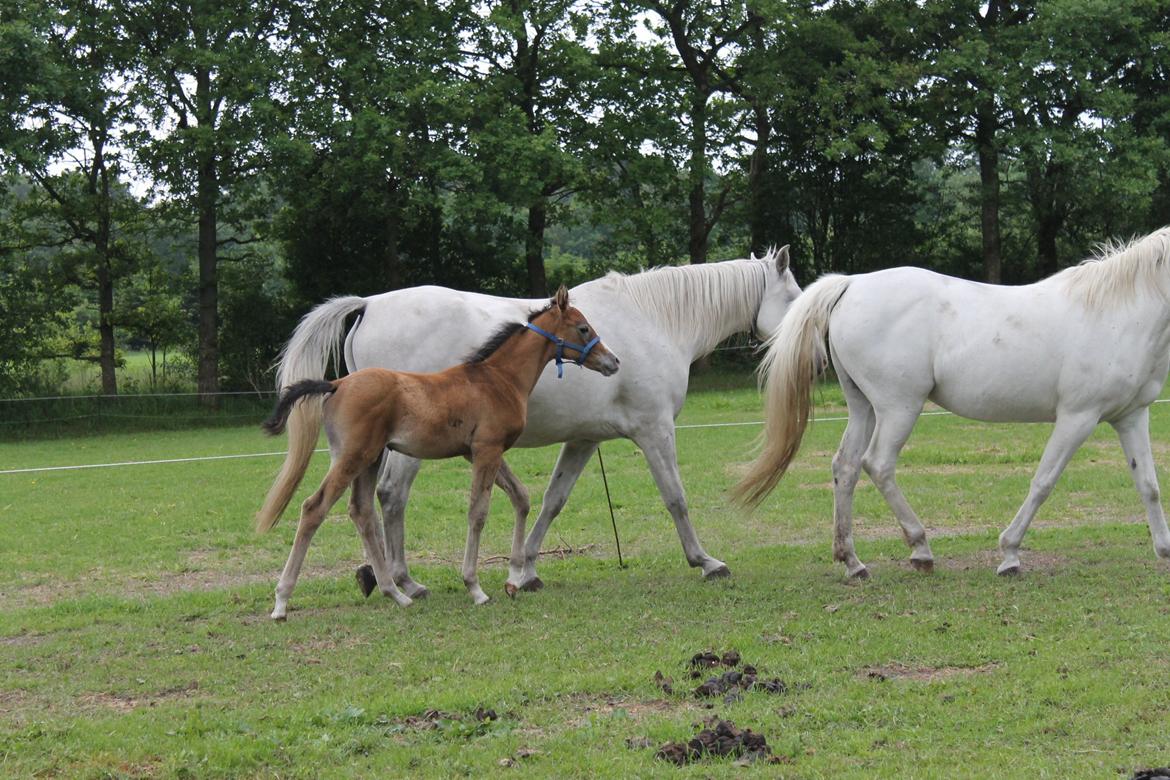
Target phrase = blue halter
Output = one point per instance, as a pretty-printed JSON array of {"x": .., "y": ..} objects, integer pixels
[{"x": 583, "y": 350}]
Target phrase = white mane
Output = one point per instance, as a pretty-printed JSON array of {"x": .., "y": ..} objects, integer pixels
[
  {"x": 1118, "y": 271},
  {"x": 701, "y": 304}
]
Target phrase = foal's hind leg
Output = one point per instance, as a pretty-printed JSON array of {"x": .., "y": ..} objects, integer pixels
[
  {"x": 313, "y": 513},
  {"x": 846, "y": 470},
  {"x": 518, "y": 495},
  {"x": 361, "y": 511},
  {"x": 1134, "y": 432},
  {"x": 891, "y": 431},
  {"x": 1067, "y": 435}
]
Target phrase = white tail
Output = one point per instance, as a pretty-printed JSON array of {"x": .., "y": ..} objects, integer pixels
[
  {"x": 796, "y": 355},
  {"x": 315, "y": 344}
]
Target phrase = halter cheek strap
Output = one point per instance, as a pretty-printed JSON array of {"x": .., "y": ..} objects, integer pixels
[{"x": 583, "y": 350}]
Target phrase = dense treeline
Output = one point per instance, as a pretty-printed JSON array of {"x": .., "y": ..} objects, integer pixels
[{"x": 191, "y": 176}]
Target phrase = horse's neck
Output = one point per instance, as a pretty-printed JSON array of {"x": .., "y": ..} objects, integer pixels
[
  {"x": 698, "y": 306},
  {"x": 520, "y": 361}
]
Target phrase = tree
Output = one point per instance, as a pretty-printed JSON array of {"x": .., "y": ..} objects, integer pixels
[
  {"x": 208, "y": 73},
  {"x": 977, "y": 53},
  {"x": 64, "y": 127}
]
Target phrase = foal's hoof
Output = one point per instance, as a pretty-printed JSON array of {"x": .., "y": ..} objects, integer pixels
[
  {"x": 717, "y": 574},
  {"x": 279, "y": 618},
  {"x": 510, "y": 589},
  {"x": 1008, "y": 570},
  {"x": 860, "y": 574},
  {"x": 924, "y": 565},
  {"x": 366, "y": 579},
  {"x": 533, "y": 585}
]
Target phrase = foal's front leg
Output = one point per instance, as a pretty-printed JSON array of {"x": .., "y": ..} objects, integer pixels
[
  {"x": 485, "y": 463},
  {"x": 518, "y": 495}
]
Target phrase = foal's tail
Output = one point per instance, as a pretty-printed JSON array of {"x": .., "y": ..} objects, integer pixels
[
  {"x": 301, "y": 442},
  {"x": 315, "y": 344},
  {"x": 797, "y": 352}
]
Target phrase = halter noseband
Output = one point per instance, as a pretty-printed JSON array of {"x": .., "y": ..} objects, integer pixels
[{"x": 583, "y": 350}]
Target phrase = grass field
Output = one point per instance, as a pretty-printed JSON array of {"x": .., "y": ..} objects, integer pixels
[{"x": 134, "y": 637}]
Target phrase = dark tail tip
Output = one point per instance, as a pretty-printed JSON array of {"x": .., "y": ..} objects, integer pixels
[{"x": 306, "y": 387}]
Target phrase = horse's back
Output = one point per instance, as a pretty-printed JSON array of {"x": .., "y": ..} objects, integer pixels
[{"x": 984, "y": 351}]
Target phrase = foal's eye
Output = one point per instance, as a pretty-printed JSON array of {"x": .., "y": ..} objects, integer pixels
[{"x": 583, "y": 330}]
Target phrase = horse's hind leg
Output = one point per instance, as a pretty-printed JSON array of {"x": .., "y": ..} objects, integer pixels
[
  {"x": 846, "y": 471},
  {"x": 485, "y": 463},
  {"x": 1067, "y": 435},
  {"x": 1134, "y": 432},
  {"x": 891, "y": 431},
  {"x": 574, "y": 455},
  {"x": 658, "y": 447},
  {"x": 518, "y": 495},
  {"x": 397, "y": 476},
  {"x": 361, "y": 511},
  {"x": 313, "y": 513}
]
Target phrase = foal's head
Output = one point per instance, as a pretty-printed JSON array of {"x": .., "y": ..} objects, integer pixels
[{"x": 581, "y": 344}]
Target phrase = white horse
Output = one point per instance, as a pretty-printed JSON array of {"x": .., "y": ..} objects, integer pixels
[
  {"x": 1087, "y": 345},
  {"x": 659, "y": 321}
]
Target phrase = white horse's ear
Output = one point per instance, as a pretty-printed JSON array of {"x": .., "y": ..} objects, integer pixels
[
  {"x": 782, "y": 259},
  {"x": 561, "y": 299}
]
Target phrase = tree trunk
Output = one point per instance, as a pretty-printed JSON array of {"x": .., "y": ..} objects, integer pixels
[
  {"x": 697, "y": 178},
  {"x": 207, "y": 195},
  {"x": 757, "y": 170},
  {"x": 392, "y": 268},
  {"x": 534, "y": 249},
  {"x": 106, "y": 319},
  {"x": 989, "y": 191}
]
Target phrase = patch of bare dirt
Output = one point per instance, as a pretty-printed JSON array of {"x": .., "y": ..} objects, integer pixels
[
  {"x": 636, "y": 708},
  {"x": 124, "y": 702},
  {"x": 900, "y": 671},
  {"x": 1030, "y": 561}
]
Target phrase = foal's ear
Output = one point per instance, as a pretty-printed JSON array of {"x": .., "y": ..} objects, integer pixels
[
  {"x": 782, "y": 259},
  {"x": 561, "y": 299}
]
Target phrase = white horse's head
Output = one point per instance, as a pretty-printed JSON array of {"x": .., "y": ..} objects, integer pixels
[{"x": 780, "y": 290}]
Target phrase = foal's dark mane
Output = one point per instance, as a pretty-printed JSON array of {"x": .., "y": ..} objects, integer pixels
[{"x": 502, "y": 334}]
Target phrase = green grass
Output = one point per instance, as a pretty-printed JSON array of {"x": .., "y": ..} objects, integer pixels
[{"x": 135, "y": 641}]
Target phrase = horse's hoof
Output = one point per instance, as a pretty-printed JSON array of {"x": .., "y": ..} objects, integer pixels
[
  {"x": 534, "y": 584},
  {"x": 717, "y": 574},
  {"x": 403, "y": 601},
  {"x": 279, "y": 618},
  {"x": 510, "y": 589},
  {"x": 1006, "y": 570},
  {"x": 416, "y": 591},
  {"x": 860, "y": 574},
  {"x": 366, "y": 579},
  {"x": 924, "y": 565}
]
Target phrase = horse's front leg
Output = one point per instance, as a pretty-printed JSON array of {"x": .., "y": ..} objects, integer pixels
[
  {"x": 518, "y": 495},
  {"x": 1134, "y": 432},
  {"x": 574, "y": 455},
  {"x": 658, "y": 446},
  {"x": 485, "y": 463},
  {"x": 1067, "y": 435}
]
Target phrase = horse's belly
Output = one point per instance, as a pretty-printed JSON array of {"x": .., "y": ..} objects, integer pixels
[{"x": 994, "y": 403}]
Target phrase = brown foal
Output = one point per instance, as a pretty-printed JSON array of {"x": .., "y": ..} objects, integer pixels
[{"x": 477, "y": 409}]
